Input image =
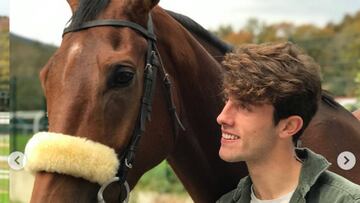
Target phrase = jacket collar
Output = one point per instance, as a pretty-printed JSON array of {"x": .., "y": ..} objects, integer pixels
[
  {"x": 313, "y": 166},
  {"x": 243, "y": 191}
]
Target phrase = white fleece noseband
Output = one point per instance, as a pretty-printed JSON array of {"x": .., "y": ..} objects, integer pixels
[{"x": 75, "y": 156}]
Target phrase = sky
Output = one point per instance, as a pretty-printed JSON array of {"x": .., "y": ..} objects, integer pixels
[
  {"x": 44, "y": 20},
  {"x": 4, "y": 8}
]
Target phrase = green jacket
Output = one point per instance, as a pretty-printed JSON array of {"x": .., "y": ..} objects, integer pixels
[{"x": 316, "y": 184}]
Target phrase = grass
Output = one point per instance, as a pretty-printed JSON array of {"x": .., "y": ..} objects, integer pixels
[
  {"x": 161, "y": 179},
  {"x": 19, "y": 141},
  {"x": 4, "y": 182},
  {"x": 4, "y": 190},
  {"x": 4, "y": 145}
]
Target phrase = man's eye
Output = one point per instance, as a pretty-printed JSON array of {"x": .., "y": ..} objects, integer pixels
[{"x": 244, "y": 106}]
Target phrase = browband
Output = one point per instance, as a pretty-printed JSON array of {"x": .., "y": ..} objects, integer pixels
[{"x": 112, "y": 22}]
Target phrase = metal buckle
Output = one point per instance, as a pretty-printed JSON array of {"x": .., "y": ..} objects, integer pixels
[
  {"x": 148, "y": 66},
  {"x": 100, "y": 196},
  {"x": 127, "y": 164}
]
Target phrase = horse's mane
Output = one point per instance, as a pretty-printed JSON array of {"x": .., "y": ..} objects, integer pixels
[
  {"x": 329, "y": 100},
  {"x": 198, "y": 30},
  {"x": 87, "y": 10}
]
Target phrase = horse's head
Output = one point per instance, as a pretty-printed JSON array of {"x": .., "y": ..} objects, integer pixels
[
  {"x": 94, "y": 87},
  {"x": 94, "y": 82}
]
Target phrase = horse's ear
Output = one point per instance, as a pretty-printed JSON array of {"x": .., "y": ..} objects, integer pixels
[
  {"x": 73, "y": 4},
  {"x": 142, "y": 6}
]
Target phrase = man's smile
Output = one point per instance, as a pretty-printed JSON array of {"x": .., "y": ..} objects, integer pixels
[{"x": 228, "y": 136}]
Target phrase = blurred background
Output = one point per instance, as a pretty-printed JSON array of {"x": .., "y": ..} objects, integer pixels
[
  {"x": 4, "y": 100},
  {"x": 329, "y": 30}
]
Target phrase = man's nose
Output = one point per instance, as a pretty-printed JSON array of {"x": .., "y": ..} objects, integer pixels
[{"x": 225, "y": 117}]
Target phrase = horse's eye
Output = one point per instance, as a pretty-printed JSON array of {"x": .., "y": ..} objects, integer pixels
[{"x": 121, "y": 77}]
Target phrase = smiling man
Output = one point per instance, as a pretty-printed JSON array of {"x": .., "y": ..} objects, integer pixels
[{"x": 272, "y": 92}]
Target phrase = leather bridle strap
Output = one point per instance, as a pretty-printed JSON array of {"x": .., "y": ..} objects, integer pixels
[
  {"x": 170, "y": 101},
  {"x": 150, "y": 73},
  {"x": 113, "y": 23}
]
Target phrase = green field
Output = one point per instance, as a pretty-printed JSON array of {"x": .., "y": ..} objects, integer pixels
[
  {"x": 161, "y": 179},
  {"x": 4, "y": 145},
  {"x": 4, "y": 178},
  {"x": 4, "y": 190},
  {"x": 19, "y": 142}
]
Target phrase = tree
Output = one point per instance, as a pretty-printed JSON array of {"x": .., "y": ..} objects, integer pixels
[
  {"x": 336, "y": 47},
  {"x": 223, "y": 31},
  {"x": 239, "y": 38},
  {"x": 342, "y": 55},
  {"x": 4, "y": 53},
  {"x": 27, "y": 58}
]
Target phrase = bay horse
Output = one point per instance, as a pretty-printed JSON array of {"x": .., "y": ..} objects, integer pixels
[{"x": 93, "y": 85}]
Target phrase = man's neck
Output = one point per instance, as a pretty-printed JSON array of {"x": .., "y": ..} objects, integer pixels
[{"x": 275, "y": 175}]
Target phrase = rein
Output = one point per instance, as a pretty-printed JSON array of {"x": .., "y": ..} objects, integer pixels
[{"x": 153, "y": 62}]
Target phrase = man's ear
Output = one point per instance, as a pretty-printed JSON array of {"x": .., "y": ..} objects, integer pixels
[{"x": 290, "y": 126}]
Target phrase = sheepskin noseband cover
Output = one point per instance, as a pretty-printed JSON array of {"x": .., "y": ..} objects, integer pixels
[{"x": 75, "y": 156}]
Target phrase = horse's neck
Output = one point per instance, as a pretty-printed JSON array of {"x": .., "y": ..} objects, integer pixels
[
  {"x": 216, "y": 47},
  {"x": 197, "y": 79},
  {"x": 334, "y": 130}
]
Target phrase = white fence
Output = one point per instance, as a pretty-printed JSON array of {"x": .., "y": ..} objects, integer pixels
[
  {"x": 4, "y": 118},
  {"x": 33, "y": 118},
  {"x": 26, "y": 121}
]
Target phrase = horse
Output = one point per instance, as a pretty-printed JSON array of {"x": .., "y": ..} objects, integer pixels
[{"x": 93, "y": 85}]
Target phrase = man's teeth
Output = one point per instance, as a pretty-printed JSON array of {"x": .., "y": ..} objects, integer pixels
[{"x": 230, "y": 137}]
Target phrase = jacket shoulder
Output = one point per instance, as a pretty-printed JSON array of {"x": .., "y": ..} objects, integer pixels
[{"x": 335, "y": 188}]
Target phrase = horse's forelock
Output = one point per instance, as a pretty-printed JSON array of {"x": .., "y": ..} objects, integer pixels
[{"x": 87, "y": 10}]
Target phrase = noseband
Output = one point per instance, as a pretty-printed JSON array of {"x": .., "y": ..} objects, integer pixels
[{"x": 153, "y": 61}]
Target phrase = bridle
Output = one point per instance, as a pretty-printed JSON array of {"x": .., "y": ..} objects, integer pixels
[{"x": 153, "y": 62}]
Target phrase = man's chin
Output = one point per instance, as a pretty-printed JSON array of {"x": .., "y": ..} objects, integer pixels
[{"x": 228, "y": 157}]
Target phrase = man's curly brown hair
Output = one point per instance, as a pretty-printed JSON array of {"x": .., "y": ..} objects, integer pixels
[{"x": 280, "y": 74}]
